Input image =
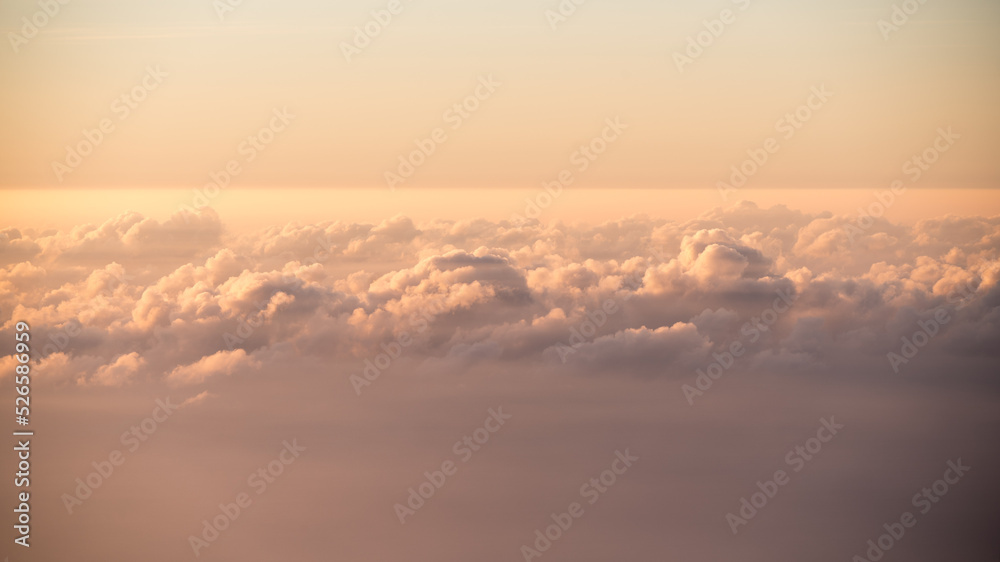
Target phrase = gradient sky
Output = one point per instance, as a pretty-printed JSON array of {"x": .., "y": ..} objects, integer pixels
[
  {"x": 558, "y": 87},
  {"x": 260, "y": 313}
]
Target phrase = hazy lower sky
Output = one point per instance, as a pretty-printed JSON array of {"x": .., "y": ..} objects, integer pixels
[
  {"x": 593, "y": 338},
  {"x": 557, "y": 88}
]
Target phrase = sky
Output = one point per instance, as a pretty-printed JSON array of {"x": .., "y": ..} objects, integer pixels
[
  {"x": 353, "y": 118},
  {"x": 501, "y": 281}
]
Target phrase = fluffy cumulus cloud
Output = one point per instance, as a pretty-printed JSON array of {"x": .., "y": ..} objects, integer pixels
[
  {"x": 181, "y": 301},
  {"x": 223, "y": 362},
  {"x": 119, "y": 371}
]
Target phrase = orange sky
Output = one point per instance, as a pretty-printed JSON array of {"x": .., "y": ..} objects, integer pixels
[{"x": 219, "y": 82}]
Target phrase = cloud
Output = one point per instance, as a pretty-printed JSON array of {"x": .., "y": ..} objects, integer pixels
[
  {"x": 475, "y": 290},
  {"x": 197, "y": 399},
  {"x": 221, "y": 363},
  {"x": 117, "y": 373},
  {"x": 668, "y": 349},
  {"x": 14, "y": 247}
]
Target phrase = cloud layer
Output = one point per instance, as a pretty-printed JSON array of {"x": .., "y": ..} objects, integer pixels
[{"x": 135, "y": 300}]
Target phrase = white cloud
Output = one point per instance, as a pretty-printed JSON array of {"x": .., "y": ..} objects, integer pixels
[{"x": 476, "y": 289}]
